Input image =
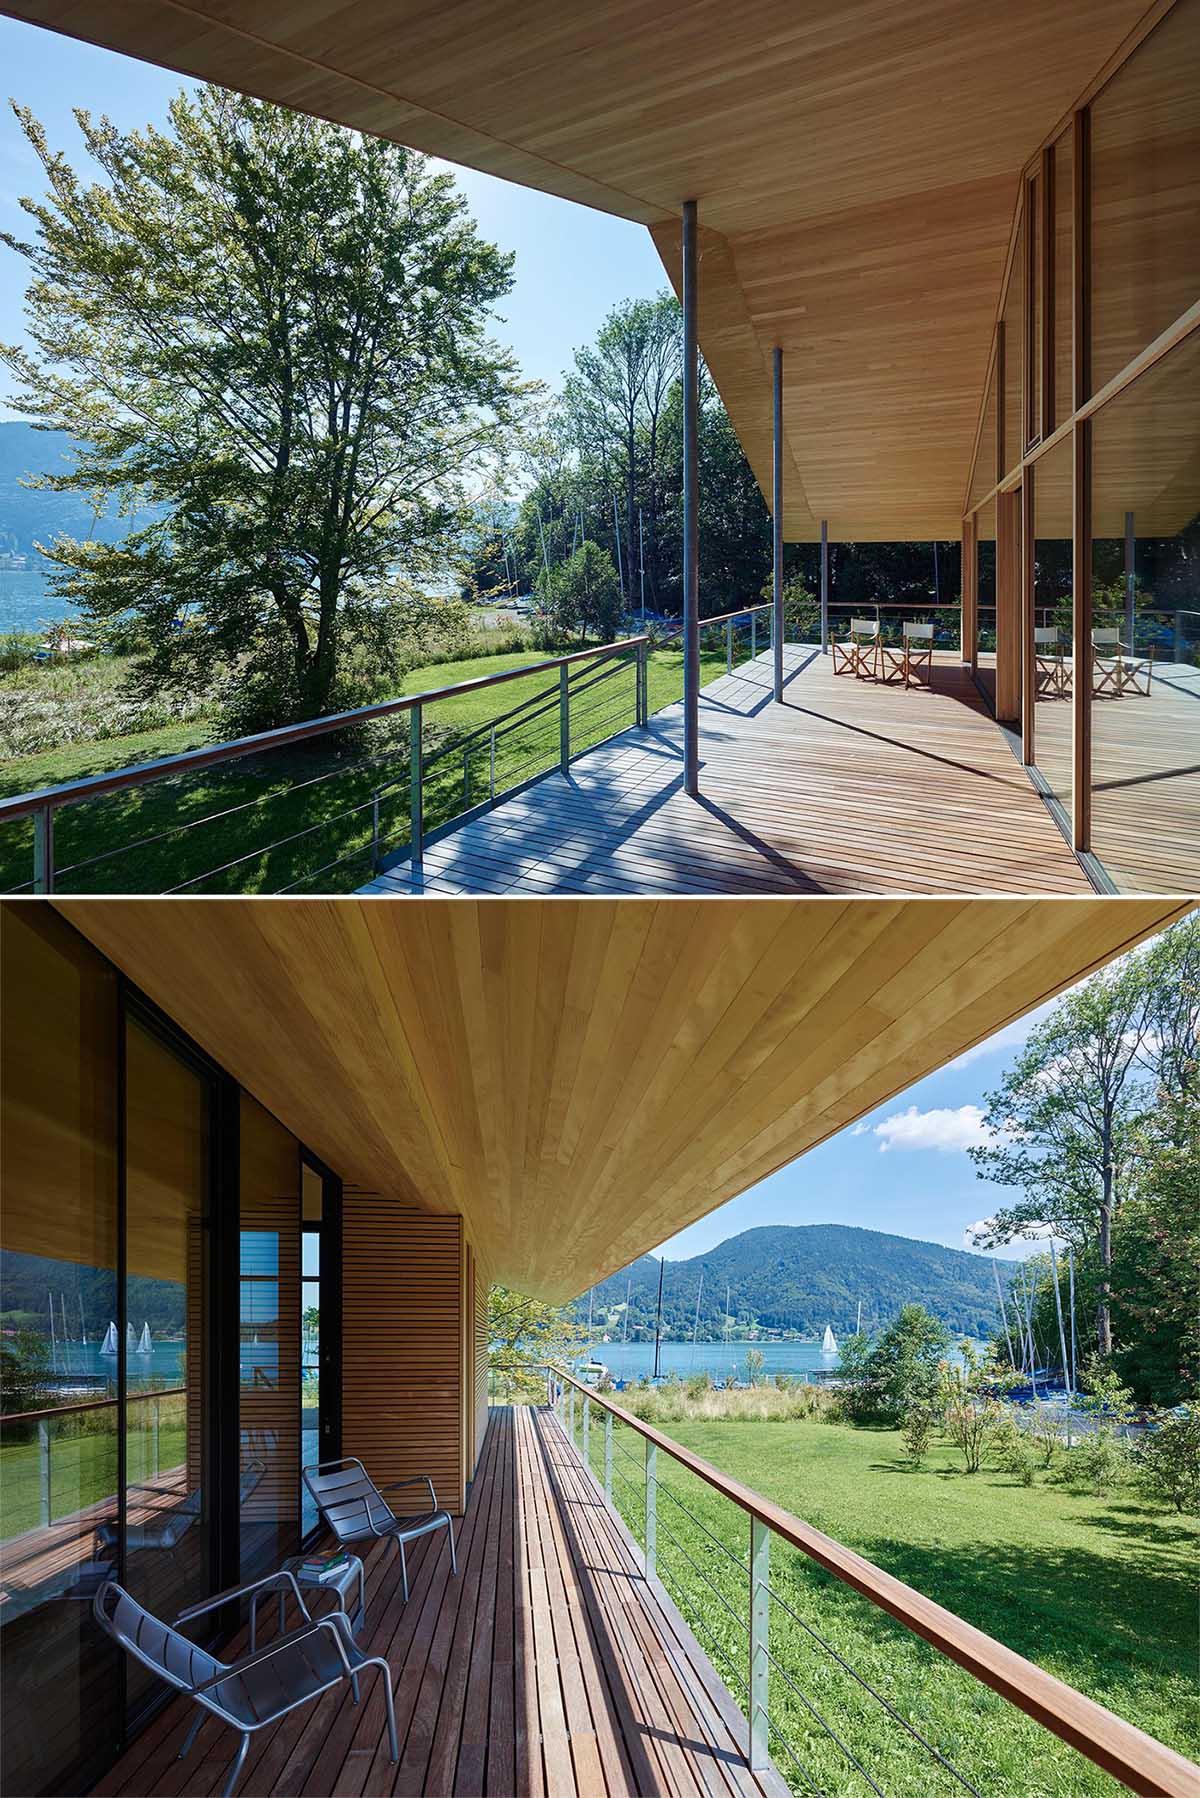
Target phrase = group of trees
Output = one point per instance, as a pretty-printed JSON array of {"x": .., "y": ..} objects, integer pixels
[{"x": 1096, "y": 1126}]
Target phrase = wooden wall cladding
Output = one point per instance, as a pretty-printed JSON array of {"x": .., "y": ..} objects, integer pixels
[
  {"x": 402, "y": 1356},
  {"x": 479, "y": 1347}
]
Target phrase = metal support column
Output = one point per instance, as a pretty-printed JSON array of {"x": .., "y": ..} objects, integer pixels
[
  {"x": 416, "y": 819},
  {"x": 43, "y": 850},
  {"x": 691, "y": 541},
  {"x": 729, "y": 646},
  {"x": 44, "y": 1496},
  {"x": 571, "y": 1416},
  {"x": 824, "y": 587},
  {"x": 564, "y": 720},
  {"x": 651, "y": 1511},
  {"x": 777, "y": 530},
  {"x": 1130, "y": 582},
  {"x": 760, "y": 1625}
]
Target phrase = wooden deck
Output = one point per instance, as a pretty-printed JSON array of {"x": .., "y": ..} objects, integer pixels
[
  {"x": 548, "y": 1667},
  {"x": 1146, "y": 773},
  {"x": 849, "y": 786}
]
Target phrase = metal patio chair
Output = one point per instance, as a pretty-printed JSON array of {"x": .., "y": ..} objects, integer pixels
[
  {"x": 256, "y": 1689},
  {"x": 355, "y": 1508}
]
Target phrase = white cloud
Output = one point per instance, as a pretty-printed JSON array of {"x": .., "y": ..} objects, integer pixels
[
  {"x": 949, "y": 1130},
  {"x": 860, "y": 1129}
]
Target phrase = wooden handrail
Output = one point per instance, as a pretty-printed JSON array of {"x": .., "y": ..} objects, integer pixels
[
  {"x": 95, "y": 786},
  {"x": 1137, "y": 1759},
  {"x": 95, "y": 1404}
]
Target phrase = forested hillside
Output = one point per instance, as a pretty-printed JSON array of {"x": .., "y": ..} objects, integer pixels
[{"x": 800, "y": 1278}]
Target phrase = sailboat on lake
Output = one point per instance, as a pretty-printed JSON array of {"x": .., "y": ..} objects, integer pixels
[
  {"x": 829, "y": 1342},
  {"x": 145, "y": 1346},
  {"x": 109, "y": 1345}
]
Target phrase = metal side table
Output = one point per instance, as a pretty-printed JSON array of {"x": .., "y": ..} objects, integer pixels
[{"x": 342, "y": 1585}]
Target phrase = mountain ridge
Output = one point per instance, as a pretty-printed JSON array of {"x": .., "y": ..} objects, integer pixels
[{"x": 795, "y": 1279}]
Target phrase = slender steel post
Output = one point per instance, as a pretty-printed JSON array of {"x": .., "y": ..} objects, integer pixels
[
  {"x": 416, "y": 820},
  {"x": 43, "y": 1431},
  {"x": 571, "y": 1425},
  {"x": 43, "y": 850},
  {"x": 760, "y": 1626},
  {"x": 154, "y": 1406},
  {"x": 564, "y": 721},
  {"x": 608, "y": 1433},
  {"x": 492, "y": 766},
  {"x": 1130, "y": 581},
  {"x": 777, "y": 529},
  {"x": 587, "y": 1430},
  {"x": 651, "y": 1511},
  {"x": 375, "y": 833},
  {"x": 729, "y": 646},
  {"x": 754, "y": 636},
  {"x": 824, "y": 587},
  {"x": 466, "y": 779},
  {"x": 691, "y": 540}
]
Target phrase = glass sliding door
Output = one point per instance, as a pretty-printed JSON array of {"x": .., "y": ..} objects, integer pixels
[
  {"x": 60, "y": 1678},
  {"x": 168, "y": 1496},
  {"x": 269, "y": 1378}
]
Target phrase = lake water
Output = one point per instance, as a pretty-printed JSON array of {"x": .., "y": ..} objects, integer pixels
[
  {"x": 26, "y": 604},
  {"x": 720, "y": 1360},
  {"x": 163, "y": 1363}
]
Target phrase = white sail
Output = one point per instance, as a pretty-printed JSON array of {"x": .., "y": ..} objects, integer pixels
[
  {"x": 130, "y": 1338},
  {"x": 144, "y": 1344},
  {"x": 109, "y": 1345},
  {"x": 829, "y": 1342}
]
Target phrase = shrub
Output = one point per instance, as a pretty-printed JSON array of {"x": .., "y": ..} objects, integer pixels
[
  {"x": 1096, "y": 1463},
  {"x": 884, "y": 1376},
  {"x": 1167, "y": 1461},
  {"x": 974, "y": 1415},
  {"x": 917, "y": 1430},
  {"x": 1015, "y": 1450}
]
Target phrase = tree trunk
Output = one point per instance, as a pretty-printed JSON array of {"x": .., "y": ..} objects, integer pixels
[{"x": 631, "y": 591}]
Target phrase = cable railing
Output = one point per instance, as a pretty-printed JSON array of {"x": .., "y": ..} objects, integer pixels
[
  {"x": 828, "y": 1721},
  {"x": 30, "y": 1500},
  {"x": 262, "y": 813}
]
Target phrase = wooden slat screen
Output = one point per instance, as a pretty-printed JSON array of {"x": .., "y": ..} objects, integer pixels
[
  {"x": 480, "y": 1351},
  {"x": 402, "y": 1354}
]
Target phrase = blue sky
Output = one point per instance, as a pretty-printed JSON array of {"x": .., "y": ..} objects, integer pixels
[
  {"x": 573, "y": 264},
  {"x": 903, "y": 1168}
]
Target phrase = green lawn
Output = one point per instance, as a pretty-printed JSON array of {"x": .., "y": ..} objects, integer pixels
[
  {"x": 1100, "y": 1592},
  {"x": 210, "y": 830}
]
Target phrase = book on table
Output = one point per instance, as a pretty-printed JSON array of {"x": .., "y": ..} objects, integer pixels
[{"x": 324, "y": 1567}]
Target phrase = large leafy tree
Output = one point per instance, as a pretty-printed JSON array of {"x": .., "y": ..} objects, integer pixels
[
  {"x": 1069, "y": 1124},
  {"x": 523, "y": 1333},
  {"x": 276, "y": 331}
]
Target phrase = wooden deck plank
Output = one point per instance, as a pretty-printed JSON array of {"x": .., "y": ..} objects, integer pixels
[
  {"x": 548, "y": 1666},
  {"x": 846, "y": 787}
]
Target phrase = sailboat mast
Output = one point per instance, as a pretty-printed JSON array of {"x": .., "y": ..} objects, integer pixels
[
  {"x": 1071, "y": 1276},
  {"x": 1004, "y": 1316},
  {"x": 858, "y": 1320},
  {"x": 1062, "y": 1334}
]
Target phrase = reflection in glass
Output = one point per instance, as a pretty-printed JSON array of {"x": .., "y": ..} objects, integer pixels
[
  {"x": 985, "y": 575},
  {"x": 1146, "y": 600},
  {"x": 269, "y": 1346},
  {"x": 167, "y": 1489},
  {"x": 1053, "y": 619},
  {"x": 1145, "y": 157},
  {"x": 1064, "y": 251},
  {"x": 1014, "y": 346},
  {"x": 59, "y": 1676}
]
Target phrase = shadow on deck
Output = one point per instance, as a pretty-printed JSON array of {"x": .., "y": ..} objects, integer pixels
[
  {"x": 848, "y": 786},
  {"x": 549, "y": 1666}
]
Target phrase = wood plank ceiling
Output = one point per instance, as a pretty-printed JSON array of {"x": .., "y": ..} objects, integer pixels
[
  {"x": 581, "y": 1079},
  {"x": 855, "y": 166}
]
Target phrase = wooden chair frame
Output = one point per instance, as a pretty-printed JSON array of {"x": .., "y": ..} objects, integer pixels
[
  {"x": 906, "y": 661},
  {"x": 857, "y": 654}
]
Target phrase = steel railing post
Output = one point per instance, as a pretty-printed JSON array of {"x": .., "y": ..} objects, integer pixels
[
  {"x": 571, "y": 1415},
  {"x": 760, "y": 1623},
  {"x": 416, "y": 819},
  {"x": 43, "y": 850},
  {"x": 729, "y": 646},
  {"x": 608, "y": 1434},
  {"x": 375, "y": 834},
  {"x": 651, "y": 1511},
  {"x": 564, "y": 720},
  {"x": 154, "y": 1434},
  {"x": 587, "y": 1430},
  {"x": 492, "y": 765},
  {"x": 643, "y": 685},
  {"x": 466, "y": 780},
  {"x": 753, "y": 635},
  {"x": 43, "y": 1430}
]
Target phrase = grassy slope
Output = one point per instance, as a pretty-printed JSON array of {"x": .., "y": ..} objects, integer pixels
[
  {"x": 1098, "y": 1591},
  {"x": 83, "y": 1471},
  {"x": 274, "y": 804}
]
